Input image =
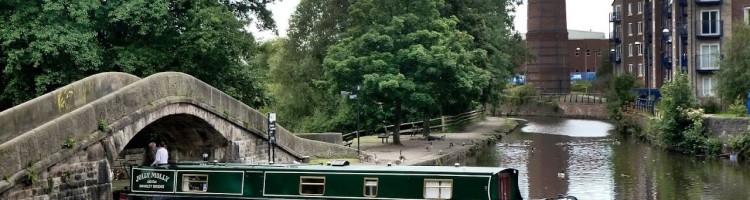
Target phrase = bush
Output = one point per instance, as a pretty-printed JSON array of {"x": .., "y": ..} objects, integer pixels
[
  {"x": 741, "y": 145},
  {"x": 519, "y": 94},
  {"x": 738, "y": 108},
  {"x": 710, "y": 106}
]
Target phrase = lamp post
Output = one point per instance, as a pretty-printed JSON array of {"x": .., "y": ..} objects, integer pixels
[
  {"x": 614, "y": 60},
  {"x": 665, "y": 33},
  {"x": 353, "y": 96}
]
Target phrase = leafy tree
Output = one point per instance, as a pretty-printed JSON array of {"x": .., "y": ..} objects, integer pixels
[
  {"x": 405, "y": 57},
  {"x": 47, "y": 44},
  {"x": 734, "y": 74},
  {"x": 490, "y": 23},
  {"x": 619, "y": 95},
  {"x": 303, "y": 103}
]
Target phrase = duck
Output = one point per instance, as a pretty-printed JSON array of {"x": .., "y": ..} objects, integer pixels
[
  {"x": 377, "y": 162},
  {"x": 561, "y": 174}
]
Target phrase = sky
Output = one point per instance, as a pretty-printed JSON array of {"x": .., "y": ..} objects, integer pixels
[{"x": 582, "y": 15}]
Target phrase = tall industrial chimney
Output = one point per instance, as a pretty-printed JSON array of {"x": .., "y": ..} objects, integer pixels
[{"x": 546, "y": 39}]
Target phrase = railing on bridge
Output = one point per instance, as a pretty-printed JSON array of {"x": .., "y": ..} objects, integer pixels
[
  {"x": 415, "y": 127},
  {"x": 574, "y": 98},
  {"x": 645, "y": 105}
]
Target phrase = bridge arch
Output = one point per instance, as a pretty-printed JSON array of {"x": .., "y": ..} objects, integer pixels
[{"x": 73, "y": 152}]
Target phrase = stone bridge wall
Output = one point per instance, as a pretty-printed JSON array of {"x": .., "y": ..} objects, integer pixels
[
  {"x": 726, "y": 127},
  {"x": 555, "y": 109},
  {"x": 31, "y": 114},
  {"x": 96, "y": 132}
]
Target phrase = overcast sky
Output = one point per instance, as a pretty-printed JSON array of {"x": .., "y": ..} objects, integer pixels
[{"x": 582, "y": 15}]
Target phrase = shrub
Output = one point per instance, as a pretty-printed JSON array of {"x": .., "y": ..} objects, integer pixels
[
  {"x": 710, "y": 106},
  {"x": 738, "y": 108},
  {"x": 519, "y": 94},
  {"x": 741, "y": 145}
]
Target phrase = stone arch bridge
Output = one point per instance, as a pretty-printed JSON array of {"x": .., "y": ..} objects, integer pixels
[{"x": 64, "y": 143}]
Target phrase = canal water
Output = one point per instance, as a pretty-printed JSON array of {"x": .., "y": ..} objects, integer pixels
[{"x": 598, "y": 165}]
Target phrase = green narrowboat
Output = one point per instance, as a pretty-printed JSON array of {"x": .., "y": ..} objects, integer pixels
[{"x": 239, "y": 181}]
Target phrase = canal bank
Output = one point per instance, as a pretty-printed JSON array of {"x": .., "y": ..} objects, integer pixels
[{"x": 454, "y": 147}]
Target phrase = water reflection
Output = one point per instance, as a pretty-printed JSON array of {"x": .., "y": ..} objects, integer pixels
[{"x": 598, "y": 167}]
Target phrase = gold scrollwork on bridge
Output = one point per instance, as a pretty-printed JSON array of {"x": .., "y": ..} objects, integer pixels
[{"x": 65, "y": 99}]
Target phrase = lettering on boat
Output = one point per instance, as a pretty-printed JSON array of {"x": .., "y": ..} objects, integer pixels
[{"x": 152, "y": 180}]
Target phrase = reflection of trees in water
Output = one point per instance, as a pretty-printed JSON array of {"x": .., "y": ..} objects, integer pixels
[{"x": 546, "y": 160}]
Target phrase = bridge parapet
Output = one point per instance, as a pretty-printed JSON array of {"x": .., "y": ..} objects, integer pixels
[
  {"x": 110, "y": 121},
  {"x": 31, "y": 114}
]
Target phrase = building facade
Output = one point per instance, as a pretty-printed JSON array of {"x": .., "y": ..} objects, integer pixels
[{"x": 674, "y": 36}]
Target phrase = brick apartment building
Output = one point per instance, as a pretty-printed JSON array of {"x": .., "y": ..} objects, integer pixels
[{"x": 654, "y": 39}]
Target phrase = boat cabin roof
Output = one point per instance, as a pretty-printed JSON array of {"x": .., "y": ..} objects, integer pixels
[{"x": 348, "y": 168}]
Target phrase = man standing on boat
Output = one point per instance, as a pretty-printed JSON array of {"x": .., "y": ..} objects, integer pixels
[{"x": 161, "y": 154}]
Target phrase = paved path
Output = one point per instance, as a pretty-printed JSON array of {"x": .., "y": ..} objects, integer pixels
[{"x": 415, "y": 149}]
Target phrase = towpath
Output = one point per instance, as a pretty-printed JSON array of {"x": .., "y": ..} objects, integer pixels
[{"x": 416, "y": 149}]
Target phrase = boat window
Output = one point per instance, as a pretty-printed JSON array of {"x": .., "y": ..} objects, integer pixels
[
  {"x": 371, "y": 187},
  {"x": 438, "y": 188},
  {"x": 312, "y": 185},
  {"x": 194, "y": 183}
]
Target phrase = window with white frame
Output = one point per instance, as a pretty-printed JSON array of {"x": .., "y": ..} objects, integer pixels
[
  {"x": 630, "y": 50},
  {"x": 630, "y": 9},
  {"x": 640, "y": 28},
  {"x": 630, "y": 68},
  {"x": 708, "y": 86},
  {"x": 710, "y": 22},
  {"x": 639, "y": 49},
  {"x": 630, "y": 29},
  {"x": 709, "y": 56},
  {"x": 640, "y": 70},
  {"x": 747, "y": 15},
  {"x": 640, "y": 7},
  {"x": 371, "y": 187},
  {"x": 438, "y": 188},
  {"x": 314, "y": 185}
]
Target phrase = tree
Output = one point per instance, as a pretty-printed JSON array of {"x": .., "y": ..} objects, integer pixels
[
  {"x": 47, "y": 44},
  {"x": 405, "y": 57},
  {"x": 734, "y": 74},
  {"x": 303, "y": 103}
]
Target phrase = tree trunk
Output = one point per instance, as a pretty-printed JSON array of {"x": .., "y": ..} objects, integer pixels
[
  {"x": 397, "y": 125},
  {"x": 426, "y": 124}
]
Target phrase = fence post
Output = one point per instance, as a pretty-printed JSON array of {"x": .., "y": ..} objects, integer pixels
[{"x": 442, "y": 122}]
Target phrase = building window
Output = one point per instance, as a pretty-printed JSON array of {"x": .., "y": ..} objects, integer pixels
[
  {"x": 194, "y": 183},
  {"x": 438, "y": 188},
  {"x": 630, "y": 9},
  {"x": 640, "y": 70},
  {"x": 708, "y": 86},
  {"x": 588, "y": 52},
  {"x": 312, "y": 185},
  {"x": 640, "y": 7},
  {"x": 630, "y": 68},
  {"x": 709, "y": 56},
  {"x": 630, "y": 50},
  {"x": 640, "y": 28},
  {"x": 747, "y": 15},
  {"x": 371, "y": 187},
  {"x": 630, "y": 29},
  {"x": 710, "y": 22},
  {"x": 639, "y": 49}
]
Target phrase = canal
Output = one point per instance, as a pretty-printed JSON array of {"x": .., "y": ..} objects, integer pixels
[{"x": 598, "y": 165}]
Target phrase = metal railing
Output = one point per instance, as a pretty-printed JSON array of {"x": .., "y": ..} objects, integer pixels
[{"x": 588, "y": 98}]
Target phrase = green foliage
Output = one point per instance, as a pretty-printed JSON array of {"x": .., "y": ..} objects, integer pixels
[
  {"x": 679, "y": 126},
  {"x": 581, "y": 86},
  {"x": 406, "y": 57},
  {"x": 518, "y": 95},
  {"x": 710, "y": 106},
  {"x": 102, "y": 125},
  {"x": 733, "y": 76},
  {"x": 741, "y": 145},
  {"x": 48, "y": 44},
  {"x": 30, "y": 177},
  {"x": 619, "y": 97},
  {"x": 738, "y": 108},
  {"x": 68, "y": 143}
]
